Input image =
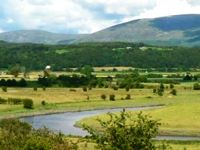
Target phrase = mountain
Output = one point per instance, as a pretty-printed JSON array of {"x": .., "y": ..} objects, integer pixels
[
  {"x": 179, "y": 30},
  {"x": 38, "y": 36}
]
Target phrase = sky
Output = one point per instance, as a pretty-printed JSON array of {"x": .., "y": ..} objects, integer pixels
[{"x": 85, "y": 16}]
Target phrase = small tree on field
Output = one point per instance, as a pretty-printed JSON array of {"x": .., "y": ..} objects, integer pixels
[
  {"x": 4, "y": 88},
  {"x": 84, "y": 89},
  {"x": 173, "y": 92},
  {"x": 196, "y": 86},
  {"x": 154, "y": 90},
  {"x": 171, "y": 86},
  {"x": 128, "y": 96},
  {"x": 28, "y": 103},
  {"x": 35, "y": 89},
  {"x": 112, "y": 97},
  {"x": 122, "y": 132},
  {"x": 103, "y": 96}
]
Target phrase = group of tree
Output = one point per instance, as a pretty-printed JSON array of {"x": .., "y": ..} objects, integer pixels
[
  {"x": 37, "y": 56},
  {"x": 13, "y": 83}
]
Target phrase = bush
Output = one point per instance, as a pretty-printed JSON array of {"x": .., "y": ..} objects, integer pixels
[
  {"x": 154, "y": 90},
  {"x": 3, "y": 101},
  {"x": 28, "y": 103},
  {"x": 127, "y": 89},
  {"x": 35, "y": 89},
  {"x": 44, "y": 88},
  {"x": 173, "y": 92},
  {"x": 115, "y": 88},
  {"x": 112, "y": 97},
  {"x": 122, "y": 132},
  {"x": 171, "y": 86},
  {"x": 196, "y": 86},
  {"x": 4, "y": 88},
  {"x": 72, "y": 90},
  {"x": 15, "y": 101},
  {"x": 128, "y": 96},
  {"x": 103, "y": 96},
  {"x": 43, "y": 103},
  {"x": 84, "y": 89}
]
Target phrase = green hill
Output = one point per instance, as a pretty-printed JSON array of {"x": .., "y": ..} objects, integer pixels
[{"x": 180, "y": 30}]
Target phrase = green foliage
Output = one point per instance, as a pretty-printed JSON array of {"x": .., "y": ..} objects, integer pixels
[
  {"x": 196, "y": 86},
  {"x": 35, "y": 89},
  {"x": 44, "y": 88},
  {"x": 28, "y": 103},
  {"x": 22, "y": 83},
  {"x": 36, "y": 56},
  {"x": 103, "y": 96},
  {"x": 16, "y": 135},
  {"x": 4, "y": 88},
  {"x": 15, "y": 71},
  {"x": 15, "y": 101},
  {"x": 43, "y": 103},
  {"x": 171, "y": 86},
  {"x": 3, "y": 101},
  {"x": 173, "y": 92},
  {"x": 84, "y": 89},
  {"x": 87, "y": 70},
  {"x": 122, "y": 132},
  {"x": 128, "y": 96},
  {"x": 112, "y": 97},
  {"x": 154, "y": 90}
]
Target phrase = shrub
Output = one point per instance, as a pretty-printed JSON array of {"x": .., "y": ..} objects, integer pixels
[
  {"x": 4, "y": 88},
  {"x": 35, "y": 89},
  {"x": 44, "y": 88},
  {"x": 122, "y": 132},
  {"x": 173, "y": 92},
  {"x": 28, "y": 103},
  {"x": 171, "y": 86},
  {"x": 112, "y": 97},
  {"x": 3, "y": 101},
  {"x": 15, "y": 101},
  {"x": 72, "y": 90},
  {"x": 43, "y": 103},
  {"x": 154, "y": 90},
  {"x": 90, "y": 88},
  {"x": 128, "y": 96},
  {"x": 115, "y": 88},
  {"x": 127, "y": 88},
  {"x": 84, "y": 89},
  {"x": 196, "y": 86},
  {"x": 103, "y": 96}
]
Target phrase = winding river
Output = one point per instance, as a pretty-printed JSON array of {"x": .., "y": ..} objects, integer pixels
[{"x": 65, "y": 122}]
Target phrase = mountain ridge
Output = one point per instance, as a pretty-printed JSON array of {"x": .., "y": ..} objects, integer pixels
[{"x": 177, "y": 30}]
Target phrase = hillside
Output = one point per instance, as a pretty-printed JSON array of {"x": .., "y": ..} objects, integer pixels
[
  {"x": 180, "y": 30},
  {"x": 38, "y": 36}
]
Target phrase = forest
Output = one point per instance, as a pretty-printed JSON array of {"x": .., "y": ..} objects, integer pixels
[{"x": 139, "y": 55}]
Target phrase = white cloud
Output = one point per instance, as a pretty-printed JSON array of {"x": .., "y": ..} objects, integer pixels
[
  {"x": 1, "y": 30},
  {"x": 194, "y": 2},
  {"x": 168, "y": 8},
  {"x": 127, "y": 7},
  {"x": 10, "y": 20}
]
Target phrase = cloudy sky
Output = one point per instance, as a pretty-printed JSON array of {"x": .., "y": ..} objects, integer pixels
[{"x": 85, "y": 16}]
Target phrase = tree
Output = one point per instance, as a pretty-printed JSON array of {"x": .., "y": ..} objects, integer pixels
[
  {"x": 103, "y": 96},
  {"x": 87, "y": 70},
  {"x": 22, "y": 83},
  {"x": 196, "y": 86},
  {"x": 28, "y": 103},
  {"x": 15, "y": 71},
  {"x": 173, "y": 92},
  {"x": 122, "y": 132},
  {"x": 112, "y": 97}
]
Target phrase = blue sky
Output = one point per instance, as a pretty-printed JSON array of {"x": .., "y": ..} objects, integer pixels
[{"x": 85, "y": 16}]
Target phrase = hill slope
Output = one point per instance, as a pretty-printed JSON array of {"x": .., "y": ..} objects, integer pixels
[
  {"x": 180, "y": 30},
  {"x": 38, "y": 36}
]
